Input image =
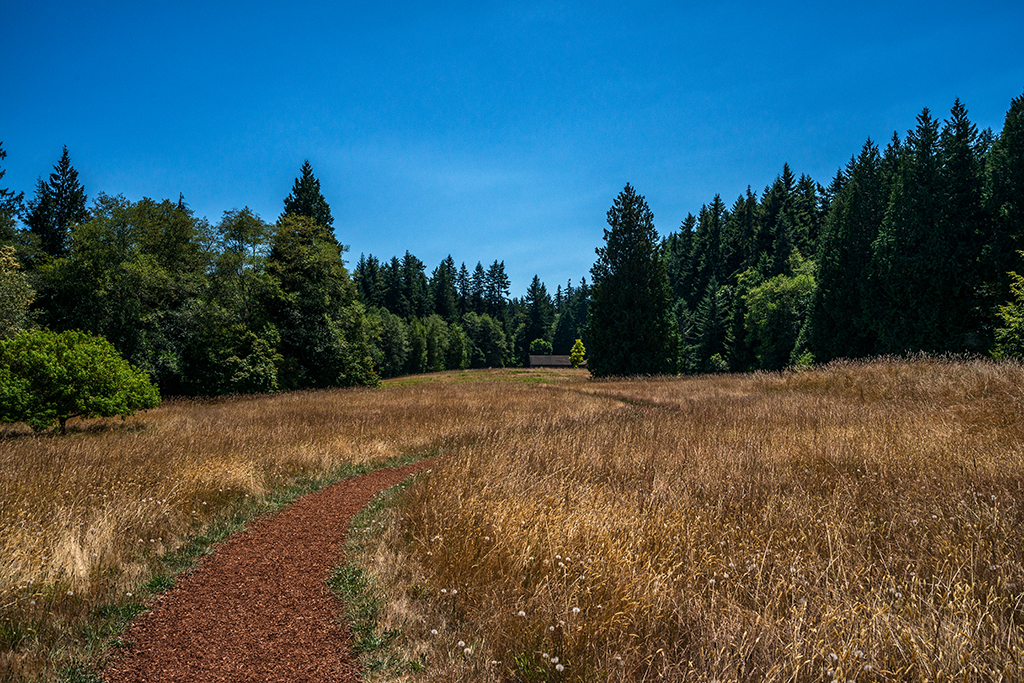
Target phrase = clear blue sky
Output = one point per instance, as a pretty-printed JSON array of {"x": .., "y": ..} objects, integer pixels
[{"x": 484, "y": 130}]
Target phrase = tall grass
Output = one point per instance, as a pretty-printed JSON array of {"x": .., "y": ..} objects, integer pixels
[
  {"x": 857, "y": 522},
  {"x": 85, "y": 518}
]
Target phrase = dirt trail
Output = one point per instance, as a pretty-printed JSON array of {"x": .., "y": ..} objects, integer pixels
[{"x": 259, "y": 609}]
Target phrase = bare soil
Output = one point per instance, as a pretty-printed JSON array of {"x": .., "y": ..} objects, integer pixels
[{"x": 259, "y": 608}]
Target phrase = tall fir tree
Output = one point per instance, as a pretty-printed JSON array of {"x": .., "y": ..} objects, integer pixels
[
  {"x": 903, "y": 267},
  {"x": 840, "y": 326},
  {"x": 307, "y": 200},
  {"x": 11, "y": 203},
  {"x": 1004, "y": 197},
  {"x": 631, "y": 330},
  {"x": 58, "y": 204}
]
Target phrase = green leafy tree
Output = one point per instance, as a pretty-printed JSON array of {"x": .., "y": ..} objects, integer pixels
[
  {"x": 16, "y": 295},
  {"x": 307, "y": 200},
  {"x": 1010, "y": 337},
  {"x": 577, "y": 353},
  {"x": 631, "y": 330},
  {"x": 776, "y": 313},
  {"x": 57, "y": 205},
  {"x": 50, "y": 377},
  {"x": 540, "y": 347},
  {"x": 488, "y": 345}
]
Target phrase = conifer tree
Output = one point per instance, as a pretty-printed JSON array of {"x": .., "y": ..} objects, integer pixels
[
  {"x": 307, "y": 200},
  {"x": 631, "y": 330},
  {"x": 10, "y": 205},
  {"x": 57, "y": 205},
  {"x": 1004, "y": 196},
  {"x": 840, "y": 326}
]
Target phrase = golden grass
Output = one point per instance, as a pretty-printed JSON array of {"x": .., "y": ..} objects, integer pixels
[
  {"x": 85, "y": 517},
  {"x": 856, "y": 522},
  {"x": 859, "y": 522}
]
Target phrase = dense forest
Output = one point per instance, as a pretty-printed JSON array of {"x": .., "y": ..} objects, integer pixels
[{"x": 908, "y": 248}]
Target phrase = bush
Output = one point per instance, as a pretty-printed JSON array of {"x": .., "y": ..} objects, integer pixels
[{"x": 49, "y": 377}]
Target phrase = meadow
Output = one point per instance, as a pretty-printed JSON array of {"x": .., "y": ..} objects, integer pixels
[
  {"x": 852, "y": 522},
  {"x": 858, "y": 522}
]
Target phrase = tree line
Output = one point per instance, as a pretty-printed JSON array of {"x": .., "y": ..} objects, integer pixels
[{"x": 907, "y": 249}]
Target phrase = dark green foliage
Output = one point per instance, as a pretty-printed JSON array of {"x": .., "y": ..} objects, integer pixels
[
  {"x": 1004, "y": 199},
  {"x": 631, "y": 330},
  {"x": 487, "y": 343},
  {"x": 540, "y": 311},
  {"x": 710, "y": 329},
  {"x": 50, "y": 377},
  {"x": 443, "y": 292},
  {"x": 841, "y": 324},
  {"x": 323, "y": 337},
  {"x": 572, "y": 321},
  {"x": 307, "y": 200},
  {"x": 11, "y": 205},
  {"x": 57, "y": 205}
]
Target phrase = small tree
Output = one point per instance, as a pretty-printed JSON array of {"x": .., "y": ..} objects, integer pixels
[
  {"x": 48, "y": 377},
  {"x": 540, "y": 347},
  {"x": 1010, "y": 339},
  {"x": 577, "y": 353}
]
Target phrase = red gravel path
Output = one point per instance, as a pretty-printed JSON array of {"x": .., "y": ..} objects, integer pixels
[{"x": 259, "y": 609}]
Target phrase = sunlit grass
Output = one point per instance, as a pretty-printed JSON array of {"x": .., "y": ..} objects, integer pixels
[
  {"x": 857, "y": 522},
  {"x": 84, "y": 518}
]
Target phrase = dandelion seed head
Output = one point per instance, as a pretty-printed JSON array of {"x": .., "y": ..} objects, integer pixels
[{"x": 462, "y": 643}]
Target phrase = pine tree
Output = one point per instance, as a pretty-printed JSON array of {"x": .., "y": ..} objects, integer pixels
[
  {"x": 1004, "y": 197},
  {"x": 903, "y": 267},
  {"x": 840, "y": 327},
  {"x": 443, "y": 292},
  {"x": 58, "y": 204},
  {"x": 540, "y": 312},
  {"x": 10, "y": 205},
  {"x": 496, "y": 289},
  {"x": 630, "y": 325},
  {"x": 306, "y": 199}
]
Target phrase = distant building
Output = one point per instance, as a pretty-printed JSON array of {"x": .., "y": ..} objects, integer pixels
[{"x": 552, "y": 362}]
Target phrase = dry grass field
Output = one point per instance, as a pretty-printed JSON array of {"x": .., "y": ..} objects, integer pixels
[
  {"x": 851, "y": 523},
  {"x": 855, "y": 522},
  {"x": 85, "y": 518}
]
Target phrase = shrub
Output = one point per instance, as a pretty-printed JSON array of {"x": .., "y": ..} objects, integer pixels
[{"x": 48, "y": 377}]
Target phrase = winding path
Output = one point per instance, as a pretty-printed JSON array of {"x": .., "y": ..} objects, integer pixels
[{"x": 259, "y": 609}]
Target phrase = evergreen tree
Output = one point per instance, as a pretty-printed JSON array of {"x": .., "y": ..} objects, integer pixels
[
  {"x": 711, "y": 328},
  {"x": 840, "y": 318},
  {"x": 324, "y": 336},
  {"x": 477, "y": 289},
  {"x": 1004, "y": 197},
  {"x": 904, "y": 268},
  {"x": 369, "y": 282},
  {"x": 443, "y": 292},
  {"x": 540, "y": 311},
  {"x": 630, "y": 326},
  {"x": 678, "y": 251},
  {"x": 307, "y": 200},
  {"x": 415, "y": 288},
  {"x": 462, "y": 284},
  {"x": 57, "y": 205},
  {"x": 496, "y": 289},
  {"x": 10, "y": 206}
]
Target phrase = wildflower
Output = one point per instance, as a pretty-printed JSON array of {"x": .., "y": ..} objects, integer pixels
[
  {"x": 467, "y": 652},
  {"x": 544, "y": 655},
  {"x": 433, "y": 631},
  {"x": 559, "y": 668},
  {"x": 522, "y": 613},
  {"x": 444, "y": 591},
  {"x": 575, "y": 610},
  {"x": 554, "y": 660},
  {"x": 462, "y": 643}
]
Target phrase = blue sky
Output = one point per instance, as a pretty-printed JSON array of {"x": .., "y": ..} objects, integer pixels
[{"x": 484, "y": 130}]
